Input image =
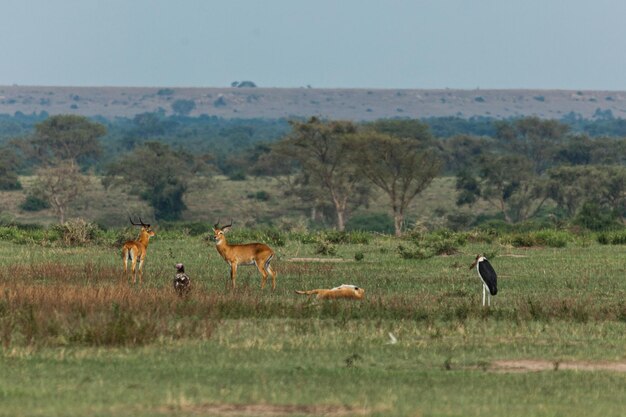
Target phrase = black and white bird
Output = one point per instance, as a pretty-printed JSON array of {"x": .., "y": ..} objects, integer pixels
[
  {"x": 488, "y": 276},
  {"x": 182, "y": 284}
]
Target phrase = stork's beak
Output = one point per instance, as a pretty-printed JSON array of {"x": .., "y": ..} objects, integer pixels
[{"x": 473, "y": 264}]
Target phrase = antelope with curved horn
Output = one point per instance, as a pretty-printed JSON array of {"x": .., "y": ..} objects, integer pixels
[
  {"x": 135, "y": 251},
  {"x": 258, "y": 254}
]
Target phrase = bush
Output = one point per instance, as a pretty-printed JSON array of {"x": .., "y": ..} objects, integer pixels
[
  {"x": 371, "y": 222},
  {"x": 416, "y": 253},
  {"x": 268, "y": 235},
  {"x": 259, "y": 195},
  {"x": 237, "y": 175},
  {"x": 324, "y": 247},
  {"x": 77, "y": 232},
  {"x": 186, "y": 228},
  {"x": 353, "y": 238},
  {"x": 27, "y": 234},
  {"x": 9, "y": 182},
  {"x": 593, "y": 217},
  {"x": 33, "y": 203},
  {"x": 441, "y": 242},
  {"x": 617, "y": 237},
  {"x": 550, "y": 238}
]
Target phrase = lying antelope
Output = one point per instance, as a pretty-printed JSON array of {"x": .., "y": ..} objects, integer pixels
[
  {"x": 136, "y": 250},
  {"x": 258, "y": 254},
  {"x": 342, "y": 291}
]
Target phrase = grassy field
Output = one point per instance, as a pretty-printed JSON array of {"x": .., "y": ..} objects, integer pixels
[{"x": 78, "y": 340}]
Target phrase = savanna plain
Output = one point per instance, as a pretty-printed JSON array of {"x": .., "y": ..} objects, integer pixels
[{"x": 78, "y": 339}]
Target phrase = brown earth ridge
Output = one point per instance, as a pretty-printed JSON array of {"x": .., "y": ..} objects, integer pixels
[{"x": 345, "y": 104}]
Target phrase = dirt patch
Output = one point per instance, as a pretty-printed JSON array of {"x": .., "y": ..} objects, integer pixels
[
  {"x": 266, "y": 410},
  {"x": 537, "y": 365}
]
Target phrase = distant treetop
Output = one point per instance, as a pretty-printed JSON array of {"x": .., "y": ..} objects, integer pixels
[{"x": 242, "y": 84}]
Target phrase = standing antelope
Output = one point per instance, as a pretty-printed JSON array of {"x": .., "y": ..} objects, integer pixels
[
  {"x": 257, "y": 254},
  {"x": 136, "y": 250}
]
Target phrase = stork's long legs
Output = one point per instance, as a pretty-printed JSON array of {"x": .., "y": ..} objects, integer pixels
[{"x": 486, "y": 294}]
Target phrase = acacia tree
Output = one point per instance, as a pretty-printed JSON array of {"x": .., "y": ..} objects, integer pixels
[
  {"x": 507, "y": 182},
  {"x": 401, "y": 167},
  {"x": 60, "y": 185},
  {"x": 571, "y": 187},
  {"x": 8, "y": 167},
  {"x": 322, "y": 152},
  {"x": 161, "y": 174},
  {"x": 537, "y": 139},
  {"x": 58, "y": 147},
  {"x": 66, "y": 137}
]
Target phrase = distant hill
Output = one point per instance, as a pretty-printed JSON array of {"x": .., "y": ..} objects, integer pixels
[{"x": 351, "y": 104}]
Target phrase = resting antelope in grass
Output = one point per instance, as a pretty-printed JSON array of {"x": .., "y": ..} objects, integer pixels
[
  {"x": 343, "y": 291},
  {"x": 258, "y": 254},
  {"x": 136, "y": 250}
]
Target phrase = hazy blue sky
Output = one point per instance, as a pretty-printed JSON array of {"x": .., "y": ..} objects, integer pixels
[{"x": 564, "y": 44}]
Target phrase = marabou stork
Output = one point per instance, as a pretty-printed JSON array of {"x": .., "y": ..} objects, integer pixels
[{"x": 487, "y": 276}]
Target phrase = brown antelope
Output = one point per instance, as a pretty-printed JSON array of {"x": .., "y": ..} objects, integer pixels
[
  {"x": 342, "y": 291},
  {"x": 257, "y": 254},
  {"x": 136, "y": 250}
]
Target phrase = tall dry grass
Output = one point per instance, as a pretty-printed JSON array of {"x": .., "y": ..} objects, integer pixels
[{"x": 55, "y": 304}]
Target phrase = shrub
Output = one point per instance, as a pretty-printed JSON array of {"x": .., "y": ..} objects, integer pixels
[
  {"x": 354, "y": 238},
  {"x": 186, "y": 228},
  {"x": 372, "y": 222},
  {"x": 33, "y": 203},
  {"x": 593, "y": 217},
  {"x": 416, "y": 253},
  {"x": 325, "y": 247},
  {"x": 268, "y": 235},
  {"x": 77, "y": 232},
  {"x": 617, "y": 237},
  {"x": 26, "y": 234},
  {"x": 237, "y": 175},
  {"x": 445, "y": 242},
  {"x": 550, "y": 238},
  {"x": 441, "y": 242},
  {"x": 260, "y": 195},
  {"x": 9, "y": 182}
]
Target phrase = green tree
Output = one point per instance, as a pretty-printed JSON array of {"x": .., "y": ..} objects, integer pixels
[
  {"x": 405, "y": 129},
  {"x": 58, "y": 147},
  {"x": 60, "y": 185},
  {"x": 460, "y": 151},
  {"x": 321, "y": 149},
  {"x": 8, "y": 173},
  {"x": 571, "y": 187},
  {"x": 183, "y": 107},
  {"x": 507, "y": 182},
  {"x": 537, "y": 139},
  {"x": 66, "y": 138},
  {"x": 161, "y": 175},
  {"x": 401, "y": 167}
]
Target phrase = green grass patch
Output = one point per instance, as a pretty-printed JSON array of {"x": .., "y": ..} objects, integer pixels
[{"x": 78, "y": 339}]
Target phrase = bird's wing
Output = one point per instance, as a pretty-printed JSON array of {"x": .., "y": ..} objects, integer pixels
[{"x": 489, "y": 276}]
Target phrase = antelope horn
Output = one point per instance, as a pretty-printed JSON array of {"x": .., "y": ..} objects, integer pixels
[
  {"x": 228, "y": 225},
  {"x": 143, "y": 224},
  {"x": 217, "y": 225},
  {"x": 133, "y": 223}
]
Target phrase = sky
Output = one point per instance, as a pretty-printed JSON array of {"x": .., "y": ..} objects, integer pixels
[{"x": 465, "y": 44}]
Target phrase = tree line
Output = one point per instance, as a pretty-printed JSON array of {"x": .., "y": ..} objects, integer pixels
[{"x": 524, "y": 168}]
